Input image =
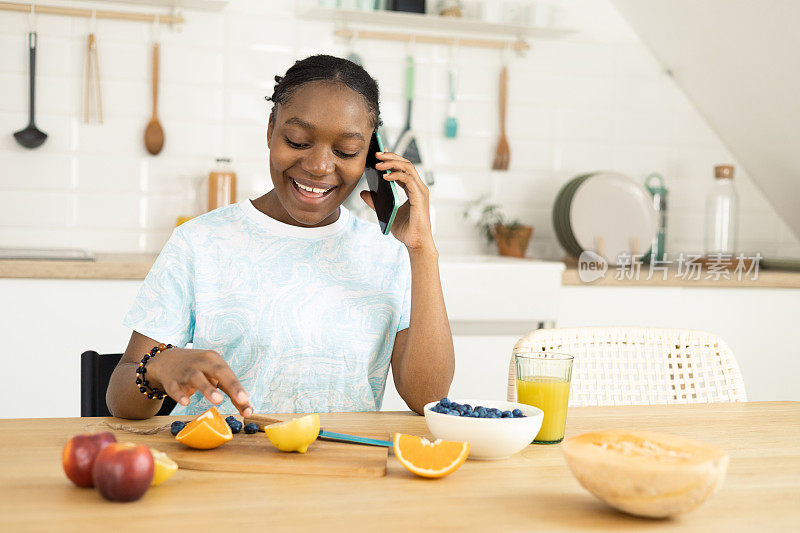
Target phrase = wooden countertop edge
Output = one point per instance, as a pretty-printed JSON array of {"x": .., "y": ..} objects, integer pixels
[
  {"x": 766, "y": 279},
  {"x": 136, "y": 267},
  {"x": 106, "y": 266}
]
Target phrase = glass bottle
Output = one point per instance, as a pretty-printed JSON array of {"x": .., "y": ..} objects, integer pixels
[
  {"x": 221, "y": 184},
  {"x": 192, "y": 202},
  {"x": 722, "y": 213}
]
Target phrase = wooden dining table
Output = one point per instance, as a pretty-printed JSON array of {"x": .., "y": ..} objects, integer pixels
[{"x": 531, "y": 491}]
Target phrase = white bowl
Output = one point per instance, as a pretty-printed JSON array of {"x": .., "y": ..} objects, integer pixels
[{"x": 489, "y": 438}]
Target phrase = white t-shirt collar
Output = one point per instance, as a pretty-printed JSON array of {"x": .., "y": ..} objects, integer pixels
[{"x": 267, "y": 222}]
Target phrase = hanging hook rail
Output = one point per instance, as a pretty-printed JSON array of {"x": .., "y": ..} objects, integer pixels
[
  {"x": 32, "y": 18},
  {"x": 174, "y": 19},
  {"x": 520, "y": 46}
]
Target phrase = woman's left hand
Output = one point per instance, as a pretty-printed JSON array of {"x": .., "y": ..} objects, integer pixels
[{"x": 412, "y": 224}]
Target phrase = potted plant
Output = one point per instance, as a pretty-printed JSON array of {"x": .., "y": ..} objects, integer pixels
[{"x": 511, "y": 236}]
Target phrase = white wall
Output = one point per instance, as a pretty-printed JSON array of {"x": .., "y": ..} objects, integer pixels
[{"x": 597, "y": 100}]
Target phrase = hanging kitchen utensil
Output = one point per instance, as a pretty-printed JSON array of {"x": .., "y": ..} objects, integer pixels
[
  {"x": 502, "y": 154},
  {"x": 352, "y": 55},
  {"x": 92, "y": 71},
  {"x": 451, "y": 123},
  {"x": 31, "y": 137},
  {"x": 154, "y": 133},
  {"x": 406, "y": 144}
]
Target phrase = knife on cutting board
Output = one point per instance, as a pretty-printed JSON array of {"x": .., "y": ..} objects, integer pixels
[{"x": 263, "y": 420}]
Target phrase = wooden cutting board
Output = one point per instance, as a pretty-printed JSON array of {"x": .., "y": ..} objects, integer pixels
[{"x": 254, "y": 453}]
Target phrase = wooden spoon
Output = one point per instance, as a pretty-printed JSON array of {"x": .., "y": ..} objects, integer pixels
[
  {"x": 154, "y": 134},
  {"x": 502, "y": 154}
]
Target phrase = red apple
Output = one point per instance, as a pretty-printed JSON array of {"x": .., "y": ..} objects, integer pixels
[
  {"x": 79, "y": 454},
  {"x": 123, "y": 471}
]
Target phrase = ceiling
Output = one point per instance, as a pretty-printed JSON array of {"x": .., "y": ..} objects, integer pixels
[{"x": 738, "y": 61}]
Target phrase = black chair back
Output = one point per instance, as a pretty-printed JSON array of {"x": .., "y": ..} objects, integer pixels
[{"x": 96, "y": 372}]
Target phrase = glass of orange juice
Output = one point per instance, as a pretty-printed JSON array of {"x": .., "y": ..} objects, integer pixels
[{"x": 543, "y": 381}]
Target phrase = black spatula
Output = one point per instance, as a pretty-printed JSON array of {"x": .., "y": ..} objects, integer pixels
[{"x": 406, "y": 144}]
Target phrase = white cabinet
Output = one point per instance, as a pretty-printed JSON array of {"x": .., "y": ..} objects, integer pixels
[
  {"x": 760, "y": 325},
  {"x": 491, "y": 302},
  {"x": 48, "y": 323}
]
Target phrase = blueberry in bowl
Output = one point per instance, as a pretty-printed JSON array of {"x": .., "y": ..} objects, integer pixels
[{"x": 495, "y": 429}]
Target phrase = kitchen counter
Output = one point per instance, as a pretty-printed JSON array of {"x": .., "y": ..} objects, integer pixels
[
  {"x": 136, "y": 267},
  {"x": 766, "y": 279},
  {"x": 533, "y": 490},
  {"x": 106, "y": 266}
]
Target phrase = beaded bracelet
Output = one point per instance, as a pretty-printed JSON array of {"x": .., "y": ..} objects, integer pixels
[{"x": 141, "y": 380}]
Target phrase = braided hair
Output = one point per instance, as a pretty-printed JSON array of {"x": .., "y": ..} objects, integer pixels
[{"x": 330, "y": 69}]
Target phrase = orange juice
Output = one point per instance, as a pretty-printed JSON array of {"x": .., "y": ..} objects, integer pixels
[{"x": 551, "y": 395}]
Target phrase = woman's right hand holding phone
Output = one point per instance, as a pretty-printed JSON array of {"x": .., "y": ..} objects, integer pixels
[{"x": 181, "y": 372}]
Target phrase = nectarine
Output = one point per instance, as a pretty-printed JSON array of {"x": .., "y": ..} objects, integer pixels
[
  {"x": 79, "y": 454},
  {"x": 123, "y": 471}
]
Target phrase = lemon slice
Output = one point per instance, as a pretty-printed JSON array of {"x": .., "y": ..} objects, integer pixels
[
  {"x": 294, "y": 435},
  {"x": 164, "y": 467}
]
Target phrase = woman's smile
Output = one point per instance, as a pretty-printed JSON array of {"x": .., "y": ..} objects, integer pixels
[{"x": 310, "y": 191}]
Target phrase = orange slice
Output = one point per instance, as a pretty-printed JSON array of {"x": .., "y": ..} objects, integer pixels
[
  {"x": 429, "y": 459},
  {"x": 207, "y": 431}
]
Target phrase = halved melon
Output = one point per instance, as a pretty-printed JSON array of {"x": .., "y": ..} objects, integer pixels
[{"x": 646, "y": 473}]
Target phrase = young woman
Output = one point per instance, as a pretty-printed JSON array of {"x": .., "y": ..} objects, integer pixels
[{"x": 291, "y": 303}]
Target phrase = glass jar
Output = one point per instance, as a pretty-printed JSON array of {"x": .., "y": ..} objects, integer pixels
[{"x": 221, "y": 184}]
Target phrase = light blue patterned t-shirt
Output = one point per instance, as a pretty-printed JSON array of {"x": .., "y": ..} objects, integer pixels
[{"x": 305, "y": 317}]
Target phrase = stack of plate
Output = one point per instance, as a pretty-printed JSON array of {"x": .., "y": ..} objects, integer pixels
[{"x": 606, "y": 211}]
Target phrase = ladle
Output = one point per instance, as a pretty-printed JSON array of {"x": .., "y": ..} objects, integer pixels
[{"x": 31, "y": 137}]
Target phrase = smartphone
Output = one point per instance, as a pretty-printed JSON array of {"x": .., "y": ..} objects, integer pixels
[{"x": 383, "y": 193}]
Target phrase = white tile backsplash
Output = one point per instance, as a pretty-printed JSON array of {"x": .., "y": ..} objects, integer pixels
[
  {"x": 53, "y": 94},
  {"x": 531, "y": 155},
  {"x": 190, "y": 65},
  {"x": 36, "y": 209},
  {"x": 38, "y": 172},
  {"x": 108, "y": 174},
  {"x": 108, "y": 211},
  {"x": 110, "y": 240},
  {"x": 596, "y": 100},
  {"x": 125, "y": 60},
  {"x": 117, "y": 136},
  {"x": 576, "y": 157},
  {"x": 22, "y": 237}
]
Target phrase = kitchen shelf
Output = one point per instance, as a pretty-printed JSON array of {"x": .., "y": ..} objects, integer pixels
[
  {"x": 200, "y": 5},
  {"x": 429, "y": 28},
  {"x": 175, "y": 19},
  {"x": 43, "y": 6}
]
